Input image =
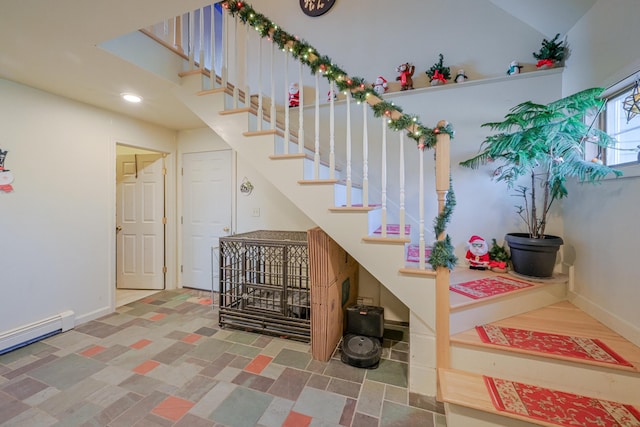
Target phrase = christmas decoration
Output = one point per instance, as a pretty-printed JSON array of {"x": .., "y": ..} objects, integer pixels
[
  {"x": 380, "y": 86},
  {"x": 551, "y": 52},
  {"x": 294, "y": 95},
  {"x": 461, "y": 76},
  {"x": 442, "y": 252},
  {"x": 498, "y": 257},
  {"x": 514, "y": 68},
  {"x": 477, "y": 253},
  {"x": 438, "y": 73},
  {"x": 6, "y": 177},
  {"x": 406, "y": 75},
  {"x": 631, "y": 103},
  {"x": 355, "y": 86}
]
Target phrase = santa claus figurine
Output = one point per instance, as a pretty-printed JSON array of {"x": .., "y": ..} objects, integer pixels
[
  {"x": 477, "y": 253},
  {"x": 294, "y": 95}
]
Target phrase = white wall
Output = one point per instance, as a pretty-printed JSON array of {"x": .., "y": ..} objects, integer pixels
[
  {"x": 601, "y": 231},
  {"x": 58, "y": 225}
]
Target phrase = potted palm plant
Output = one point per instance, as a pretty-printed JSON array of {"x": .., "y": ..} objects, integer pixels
[{"x": 543, "y": 145}]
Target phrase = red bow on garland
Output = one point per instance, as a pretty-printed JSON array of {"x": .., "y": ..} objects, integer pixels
[
  {"x": 544, "y": 62},
  {"x": 437, "y": 75}
]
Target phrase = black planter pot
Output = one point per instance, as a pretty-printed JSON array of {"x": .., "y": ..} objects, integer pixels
[{"x": 533, "y": 257}]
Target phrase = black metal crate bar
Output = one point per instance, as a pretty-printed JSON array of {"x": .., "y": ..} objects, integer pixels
[{"x": 264, "y": 283}]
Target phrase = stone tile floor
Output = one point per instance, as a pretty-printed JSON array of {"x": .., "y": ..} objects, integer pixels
[{"x": 163, "y": 361}]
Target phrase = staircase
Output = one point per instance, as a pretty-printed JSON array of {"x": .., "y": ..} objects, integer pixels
[{"x": 343, "y": 198}]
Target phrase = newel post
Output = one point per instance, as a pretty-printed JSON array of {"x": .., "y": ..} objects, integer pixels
[{"x": 443, "y": 171}]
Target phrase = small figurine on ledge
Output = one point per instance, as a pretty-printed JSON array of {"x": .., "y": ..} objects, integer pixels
[
  {"x": 380, "y": 86},
  {"x": 405, "y": 78},
  {"x": 477, "y": 253},
  {"x": 514, "y": 68}
]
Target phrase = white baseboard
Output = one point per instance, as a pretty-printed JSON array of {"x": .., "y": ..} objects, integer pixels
[
  {"x": 31, "y": 332},
  {"x": 621, "y": 326}
]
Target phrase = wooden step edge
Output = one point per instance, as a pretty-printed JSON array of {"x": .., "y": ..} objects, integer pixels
[
  {"x": 211, "y": 91},
  {"x": 469, "y": 390},
  {"x": 234, "y": 111},
  {"x": 259, "y": 132},
  {"x": 417, "y": 272},
  {"x": 287, "y": 156},
  {"x": 387, "y": 240},
  {"x": 317, "y": 181},
  {"x": 353, "y": 209},
  {"x": 193, "y": 72},
  {"x": 519, "y": 351}
]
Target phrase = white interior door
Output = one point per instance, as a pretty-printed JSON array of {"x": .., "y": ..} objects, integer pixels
[
  {"x": 140, "y": 221},
  {"x": 206, "y": 189}
]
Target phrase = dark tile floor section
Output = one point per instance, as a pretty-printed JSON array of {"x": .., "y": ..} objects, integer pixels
[{"x": 162, "y": 361}]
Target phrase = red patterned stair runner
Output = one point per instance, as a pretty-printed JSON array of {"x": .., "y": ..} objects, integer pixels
[
  {"x": 555, "y": 344},
  {"x": 488, "y": 286},
  {"x": 557, "y": 407}
]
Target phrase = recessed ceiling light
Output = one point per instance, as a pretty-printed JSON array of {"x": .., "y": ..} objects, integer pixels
[{"x": 130, "y": 97}]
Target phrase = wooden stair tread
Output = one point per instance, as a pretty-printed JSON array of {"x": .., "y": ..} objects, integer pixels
[
  {"x": 562, "y": 318},
  {"x": 469, "y": 390},
  {"x": 462, "y": 274},
  {"x": 388, "y": 240}
]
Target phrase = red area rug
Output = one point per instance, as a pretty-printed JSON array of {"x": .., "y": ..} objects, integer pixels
[
  {"x": 556, "y": 407},
  {"x": 561, "y": 345},
  {"x": 413, "y": 253},
  {"x": 488, "y": 287},
  {"x": 394, "y": 229}
]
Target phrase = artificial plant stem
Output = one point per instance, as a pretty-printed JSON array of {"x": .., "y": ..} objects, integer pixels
[{"x": 533, "y": 226}]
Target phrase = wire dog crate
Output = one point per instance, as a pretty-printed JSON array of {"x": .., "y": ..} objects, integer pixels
[{"x": 264, "y": 283}]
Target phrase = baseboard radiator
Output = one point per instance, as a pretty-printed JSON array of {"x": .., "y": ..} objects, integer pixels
[{"x": 27, "y": 334}]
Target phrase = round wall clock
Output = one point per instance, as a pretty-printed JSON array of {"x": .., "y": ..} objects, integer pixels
[{"x": 315, "y": 8}]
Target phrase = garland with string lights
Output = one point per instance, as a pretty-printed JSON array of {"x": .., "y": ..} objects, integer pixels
[
  {"x": 442, "y": 251},
  {"x": 361, "y": 91}
]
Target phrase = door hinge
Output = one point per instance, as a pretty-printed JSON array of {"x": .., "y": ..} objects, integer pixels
[
  {"x": 182, "y": 171},
  {"x": 164, "y": 171},
  {"x": 181, "y": 270},
  {"x": 164, "y": 220},
  {"x": 181, "y": 220},
  {"x": 164, "y": 269}
]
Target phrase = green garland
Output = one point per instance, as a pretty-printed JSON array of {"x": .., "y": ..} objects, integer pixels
[
  {"x": 360, "y": 90},
  {"x": 442, "y": 253},
  {"x": 425, "y": 137}
]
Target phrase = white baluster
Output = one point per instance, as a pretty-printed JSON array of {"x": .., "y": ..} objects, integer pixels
[
  {"x": 316, "y": 153},
  {"x": 332, "y": 137},
  {"x": 201, "y": 41},
  {"x": 260, "y": 113},
  {"x": 365, "y": 156},
  {"x": 247, "y": 89},
  {"x": 224, "y": 69},
  {"x": 383, "y": 173},
  {"x": 287, "y": 132},
  {"x": 236, "y": 83},
  {"x": 348, "y": 149},
  {"x": 177, "y": 34},
  {"x": 401, "y": 184},
  {"x": 192, "y": 31},
  {"x": 213, "y": 47},
  {"x": 421, "y": 203},
  {"x": 300, "y": 111},
  {"x": 272, "y": 112}
]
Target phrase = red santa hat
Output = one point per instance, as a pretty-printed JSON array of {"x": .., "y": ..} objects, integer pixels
[
  {"x": 382, "y": 79},
  {"x": 474, "y": 238}
]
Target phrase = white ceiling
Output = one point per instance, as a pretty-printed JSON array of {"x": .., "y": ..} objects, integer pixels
[{"x": 40, "y": 47}]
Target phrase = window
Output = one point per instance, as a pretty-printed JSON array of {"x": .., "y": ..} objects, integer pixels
[{"x": 626, "y": 133}]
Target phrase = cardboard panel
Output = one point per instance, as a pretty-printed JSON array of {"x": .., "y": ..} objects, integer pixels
[{"x": 334, "y": 287}]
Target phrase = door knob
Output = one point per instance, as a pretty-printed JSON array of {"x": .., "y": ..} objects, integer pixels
[
  {"x": 225, "y": 229},
  {"x": 118, "y": 228}
]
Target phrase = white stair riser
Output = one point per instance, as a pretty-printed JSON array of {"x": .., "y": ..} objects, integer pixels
[
  {"x": 461, "y": 416},
  {"x": 584, "y": 379},
  {"x": 506, "y": 306}
]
